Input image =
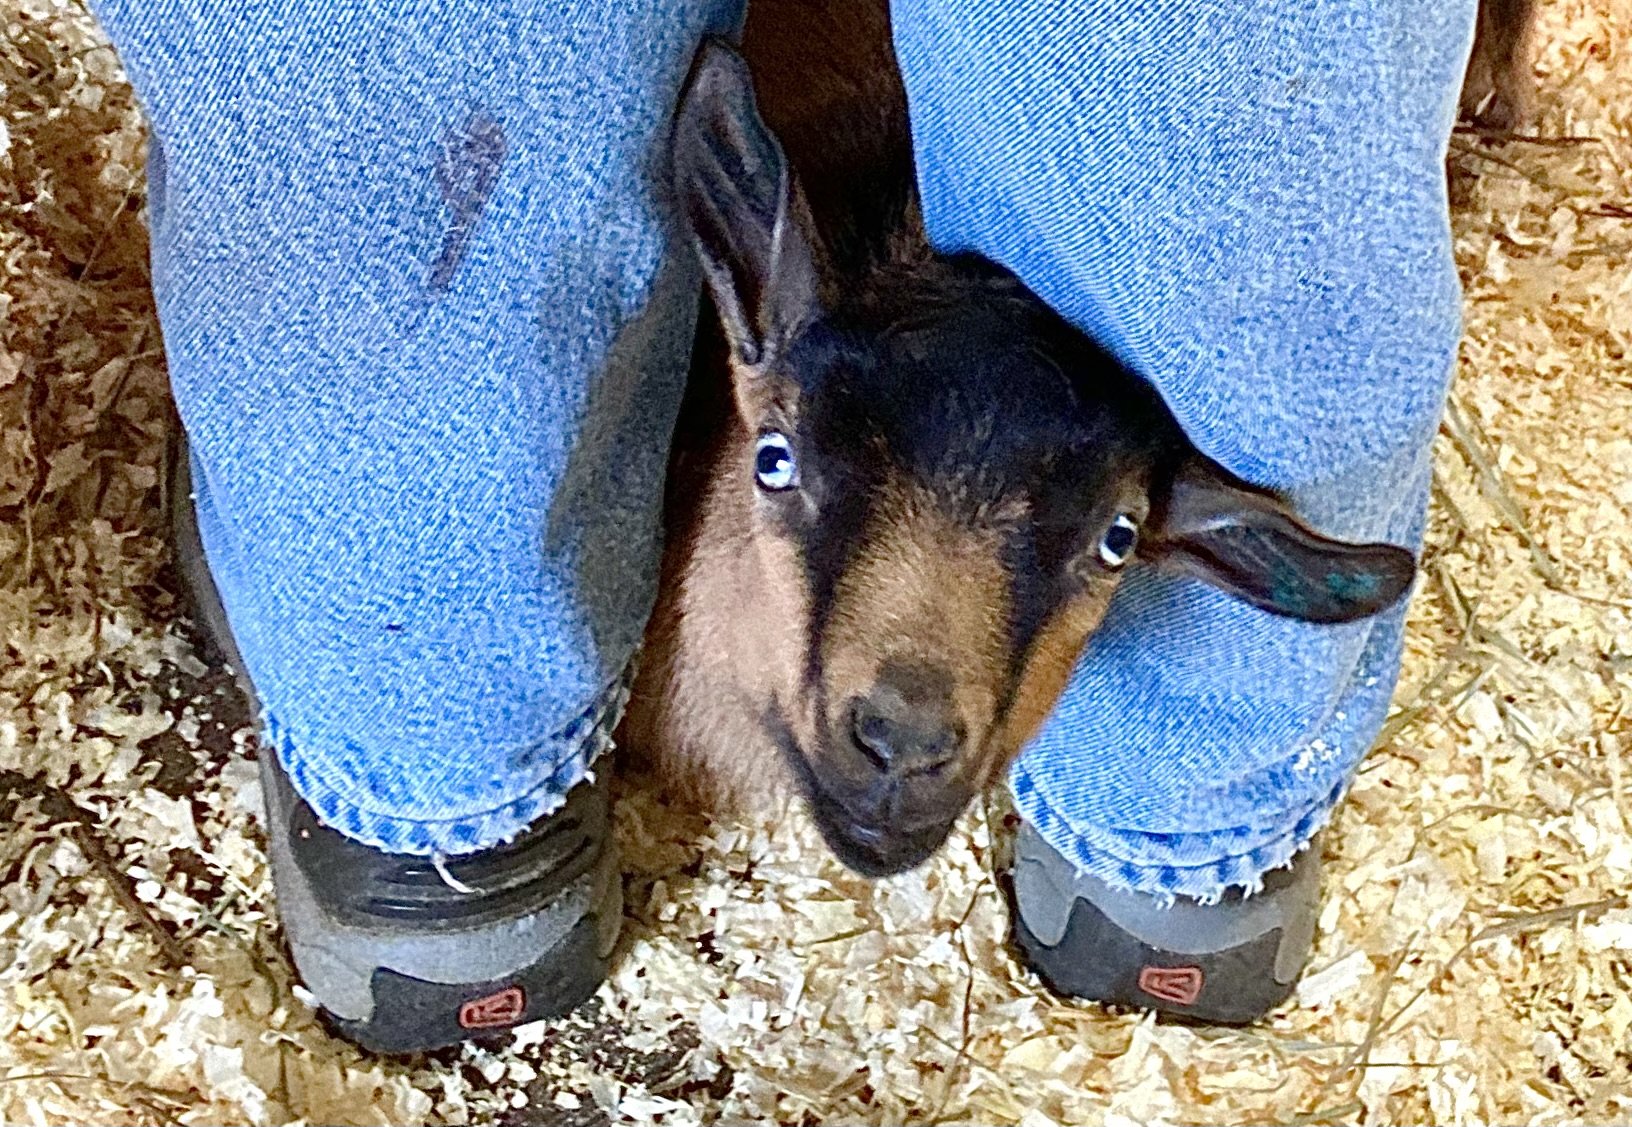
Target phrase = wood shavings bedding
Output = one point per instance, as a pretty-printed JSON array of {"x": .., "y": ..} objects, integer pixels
[{"x": 1475, "y": 956}]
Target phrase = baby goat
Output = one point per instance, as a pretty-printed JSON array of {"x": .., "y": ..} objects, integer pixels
[{"x": 893, "y": 532}]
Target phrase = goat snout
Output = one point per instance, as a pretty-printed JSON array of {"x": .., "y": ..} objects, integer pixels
[{"x": 906, "y": 725}]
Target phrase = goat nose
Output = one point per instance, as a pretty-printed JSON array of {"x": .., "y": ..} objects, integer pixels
[{"x": 905, "y": 724}]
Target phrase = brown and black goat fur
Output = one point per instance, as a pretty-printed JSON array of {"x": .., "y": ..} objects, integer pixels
[
  {"x": 1498, "y": 91},
  {"x": 885, "y": 628}
]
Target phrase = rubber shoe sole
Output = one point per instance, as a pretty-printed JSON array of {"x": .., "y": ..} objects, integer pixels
[
  {"x": 1228, "y": 963},
  {"x": 401, "y": 958},
  {"x": 405, "y": 985}
]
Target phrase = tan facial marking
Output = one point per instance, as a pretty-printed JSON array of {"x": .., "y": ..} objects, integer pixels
[
  {"x": 1048, "y": 665},
  {"x": 729, "y": 633},
  {"x": 922, "y": 588}
]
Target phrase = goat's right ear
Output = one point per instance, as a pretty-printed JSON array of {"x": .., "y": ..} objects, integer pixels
[{"x": 742, "y": 208}]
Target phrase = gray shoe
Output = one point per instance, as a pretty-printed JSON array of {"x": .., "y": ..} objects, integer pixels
[
  {"x": 1230, "y": 962},
  {"x": 401, "y": 959}
]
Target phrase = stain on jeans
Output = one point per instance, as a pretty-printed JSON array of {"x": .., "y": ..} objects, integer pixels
[{"x": 467, "y": 169}]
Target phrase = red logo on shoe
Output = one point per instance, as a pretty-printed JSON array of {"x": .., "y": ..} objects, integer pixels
[
  {"x": 502, "y": 1008},
  {"x": 1180, "y": 985}
]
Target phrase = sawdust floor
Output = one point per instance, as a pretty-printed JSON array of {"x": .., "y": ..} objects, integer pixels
[{"x": 1475, "y": 957}]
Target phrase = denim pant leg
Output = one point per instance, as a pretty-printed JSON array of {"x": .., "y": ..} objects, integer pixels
[
  {"x": 427, "y": 324},
  {"x": 1245, "y": 199}
]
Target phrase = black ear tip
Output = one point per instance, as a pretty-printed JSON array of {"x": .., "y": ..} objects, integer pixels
[
  {"x": 717, "y": 97},
  {"x": 1404, "y": 562},
  {"x": 718, "y": 70},
  {"x": 1379, "y": 583},
  {"x": 1397, "y": 563},
  {"x": 718, "y": 51},
  {"x": 1401, "y": 571}
]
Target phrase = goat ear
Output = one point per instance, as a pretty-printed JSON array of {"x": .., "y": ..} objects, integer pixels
[
  {"x": 742, "y": 207},
  {"x": 1247, "y": 543}
]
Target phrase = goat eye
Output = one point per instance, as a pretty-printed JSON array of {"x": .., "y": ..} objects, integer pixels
[
  {"x": 1119, "y": 541},
  {"x": 774, "y": 466}
]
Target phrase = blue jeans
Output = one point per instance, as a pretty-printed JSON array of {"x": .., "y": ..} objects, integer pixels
[
  {"x": 1246, "y": 200},
  {"x": 428, "y": 317}
]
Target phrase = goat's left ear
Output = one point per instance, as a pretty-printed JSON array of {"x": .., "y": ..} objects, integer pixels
[{"x": 1248, "y": 544}]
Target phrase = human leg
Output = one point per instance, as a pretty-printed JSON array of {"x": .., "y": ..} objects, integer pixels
[
  {"x": 1246, "y": 201},
  {"x": 426, "y": 335}
]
